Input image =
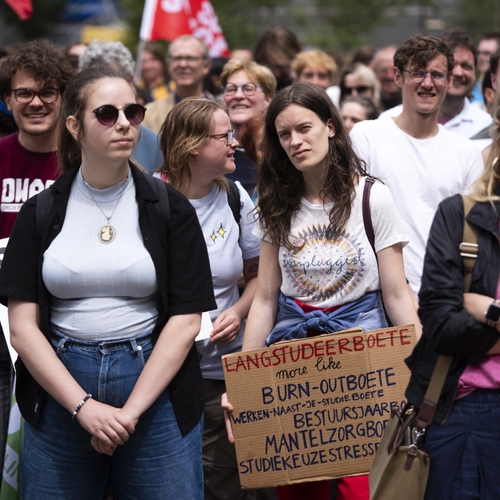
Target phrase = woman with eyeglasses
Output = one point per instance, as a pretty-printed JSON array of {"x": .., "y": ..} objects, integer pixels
[
  {"x": 198, "y": 144},
  {"x": 311, "y": 186},
  {"x": 106, "y": 275},
  {"x": 248, "y": 89},
  {"x": 359, "y": 80}
]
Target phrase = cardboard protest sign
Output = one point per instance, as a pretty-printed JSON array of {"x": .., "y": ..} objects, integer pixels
[{"x": 315, "y": 408}]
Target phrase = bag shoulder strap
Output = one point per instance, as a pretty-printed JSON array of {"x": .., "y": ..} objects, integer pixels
[
  {"x": 469, "y": 247},
  {"x": 367, "y": 215},
  {"x": 234, "y": 200},
  {"x": 163, "y": 205},
  {"x": 44, "y": 202}
]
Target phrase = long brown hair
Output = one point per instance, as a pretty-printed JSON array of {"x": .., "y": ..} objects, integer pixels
[
  {"x": 187, "y": 127},
  {"x": 69, "y": 151},
  {"x": 281, "y": 185}
]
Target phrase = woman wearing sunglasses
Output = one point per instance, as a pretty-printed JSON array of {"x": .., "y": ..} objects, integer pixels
[
  {"x": 359, "y": 80},
  {"x": 105, "y": 290},
  {"x": 198, "y": 143}
]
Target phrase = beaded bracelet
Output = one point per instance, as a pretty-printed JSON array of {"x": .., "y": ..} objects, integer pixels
[{"x": 79, "y": 407}]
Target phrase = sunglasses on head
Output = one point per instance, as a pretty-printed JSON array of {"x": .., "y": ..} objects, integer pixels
[{"x": 107, "y": 115}]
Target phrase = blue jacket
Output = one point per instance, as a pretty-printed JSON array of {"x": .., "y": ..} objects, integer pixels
[{"x": 293, "y": 323}]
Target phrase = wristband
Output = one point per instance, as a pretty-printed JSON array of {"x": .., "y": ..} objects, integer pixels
[{"x": 79, "y": 407}]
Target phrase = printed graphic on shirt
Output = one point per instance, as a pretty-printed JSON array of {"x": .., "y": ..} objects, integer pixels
[
  {"x": 16, "y": 191},
  {"x": 220, "y": 233},
  {"x": 321, "y": 269}
]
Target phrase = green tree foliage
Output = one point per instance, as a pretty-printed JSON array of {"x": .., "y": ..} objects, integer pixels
[
  {"x": 348, "y": 24},
  {"x": 45, "y": 16},
  {"x": 479, "y": 16}
]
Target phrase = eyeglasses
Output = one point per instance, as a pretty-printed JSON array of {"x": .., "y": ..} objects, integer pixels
[
  {"x": 229, "y": 136},
  {"x": 419, "y": 76},
  {"x": 360, "y": 89},
  {"x": 25, "y": 96},
  {"x": 188, "y": 59},
  {"x": 107, "y": 115},
  {"x": 248, "y": 88}
]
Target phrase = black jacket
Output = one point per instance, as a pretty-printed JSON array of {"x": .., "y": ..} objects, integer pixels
[
  {"x": 448, "y": 329},
  {"x": 180, "y": 258}
]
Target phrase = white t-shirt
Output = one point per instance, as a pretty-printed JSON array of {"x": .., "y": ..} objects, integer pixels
[
  {"x": 226, "y": 254},
  {"x": 467, "y": 123},
  {"x": 420, "y": 174},
  {"x": 101, "y": 292},
  {"x": 324, "y": 273}
]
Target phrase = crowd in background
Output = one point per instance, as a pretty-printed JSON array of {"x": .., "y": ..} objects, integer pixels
[{"x": 422, "y": 117}]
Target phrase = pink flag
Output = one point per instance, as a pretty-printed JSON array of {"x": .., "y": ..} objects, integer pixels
[
  {"x": 168, "y": 19},
  {"x": 23, "y": 8}
]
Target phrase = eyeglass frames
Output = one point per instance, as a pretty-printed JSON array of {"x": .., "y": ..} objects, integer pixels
[
  {"x": 229, "y": 137},
  {"x": 420, "y": 75},
  {"x": 25, "y": 95},
  {"x": 107, "y": 115},
  {"x": 248, "y": 88}
]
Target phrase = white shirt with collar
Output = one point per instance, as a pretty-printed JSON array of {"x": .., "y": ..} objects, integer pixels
[{"x": 467, "y": 123}]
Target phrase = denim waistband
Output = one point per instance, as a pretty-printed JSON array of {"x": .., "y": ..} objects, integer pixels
[
  {"x": 133, "y": 343},
  {"x": 480, "y": 397}
]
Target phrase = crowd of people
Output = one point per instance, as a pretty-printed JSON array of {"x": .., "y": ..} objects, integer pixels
[{"x": 222, "y": 179}]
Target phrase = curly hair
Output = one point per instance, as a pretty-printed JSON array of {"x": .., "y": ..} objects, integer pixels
[
  {"x": 113, "y": 54},
  {"x": 417, "y": 51},
  {"x": 40, "y": 60},
  {"x": 187, "y": 127},
  {"x": 281, "y": 185}
]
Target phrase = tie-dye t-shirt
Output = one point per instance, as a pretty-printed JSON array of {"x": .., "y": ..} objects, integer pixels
[{"x": 327, "y": 273}]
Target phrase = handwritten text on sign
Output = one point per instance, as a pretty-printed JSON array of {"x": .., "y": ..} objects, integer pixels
[{"x": 315, "y": 408}]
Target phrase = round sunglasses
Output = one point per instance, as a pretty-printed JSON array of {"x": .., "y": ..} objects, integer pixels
[{"x": 107, "y": 115}]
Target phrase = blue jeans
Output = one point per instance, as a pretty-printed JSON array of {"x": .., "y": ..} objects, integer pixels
[
  {"x": 465, "y": 457},
  {"x": 156, "y": 463}
]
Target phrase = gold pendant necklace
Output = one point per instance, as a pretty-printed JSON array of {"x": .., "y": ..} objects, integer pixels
[{"x": 106, "y": 233}]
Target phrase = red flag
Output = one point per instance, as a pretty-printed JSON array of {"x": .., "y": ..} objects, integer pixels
[
  {"x": 168, "y": 19},
  {"x": 23, "y": 8}
]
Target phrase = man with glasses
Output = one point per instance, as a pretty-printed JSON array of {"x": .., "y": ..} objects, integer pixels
[
  {"x": 456, "y": 113},
  {"x": 420, "y": 161},
  {"x": 32, "y": 81},
  {"x": 188, "y": 63}
]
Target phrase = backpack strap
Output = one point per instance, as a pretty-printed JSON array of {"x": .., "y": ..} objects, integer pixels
[
  {"x": 367, "y": 215},
  {"x": 234, "y": 200},
  {"x": 163, "y": 206},
  {"x": 469, "y": 247},
  {"x": 44, "y": 202}
]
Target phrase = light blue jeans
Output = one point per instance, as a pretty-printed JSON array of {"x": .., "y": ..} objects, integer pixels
[{"x": 156, "y": 463}]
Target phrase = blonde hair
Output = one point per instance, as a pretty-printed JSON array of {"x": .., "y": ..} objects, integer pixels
[
  {"x": 187, "y": 127},
  {"x": 366, "y": 76},
  {"x": 260, "y": 74},
  {"x": 317, "y": 59},
  {"x": 484, "y": 187}
]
